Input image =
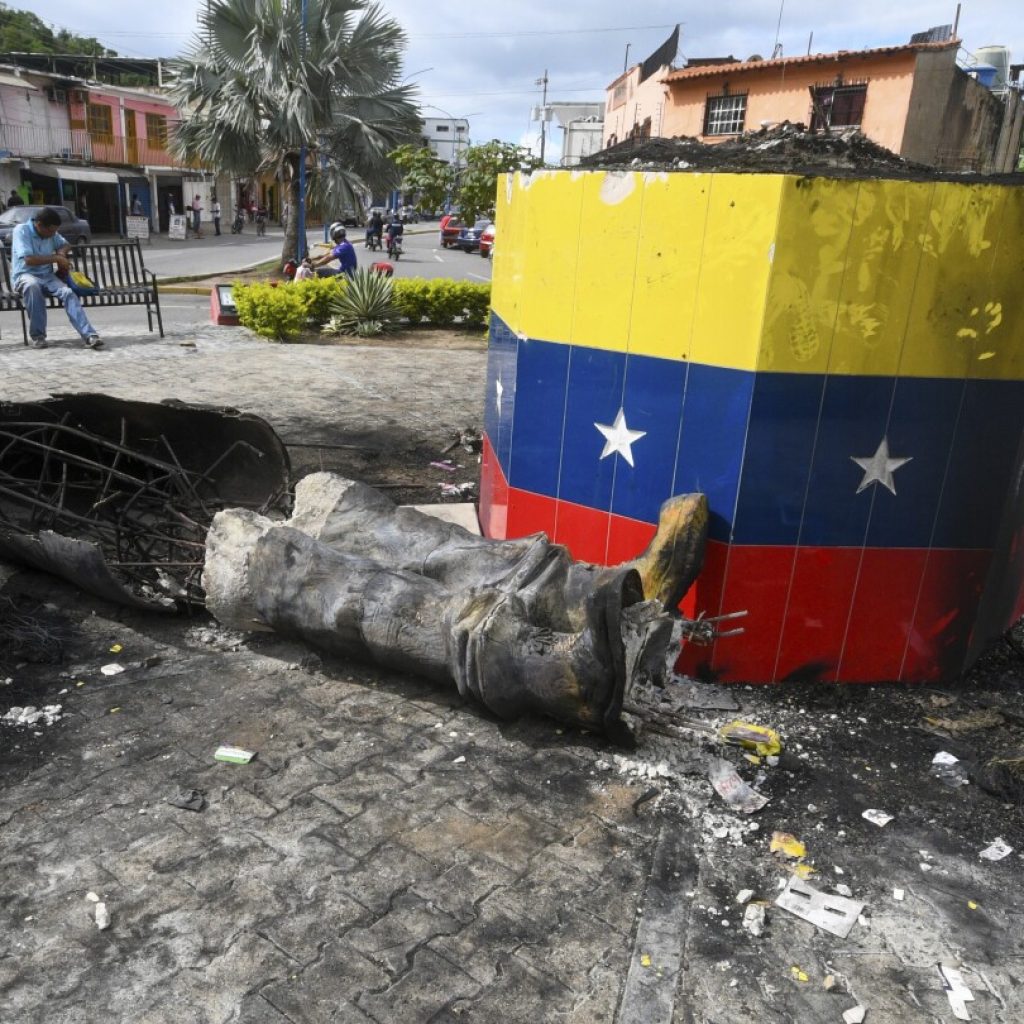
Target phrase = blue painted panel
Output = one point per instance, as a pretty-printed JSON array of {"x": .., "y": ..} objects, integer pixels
[
  {"x": 595, "y": 396},
  {"x": 499, "y": 402}
]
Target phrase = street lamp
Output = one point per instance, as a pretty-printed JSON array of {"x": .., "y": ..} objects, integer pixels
[{"x": 453, "y": 120}]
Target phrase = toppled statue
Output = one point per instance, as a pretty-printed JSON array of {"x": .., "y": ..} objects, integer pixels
[{"x": 517, "y": 625}]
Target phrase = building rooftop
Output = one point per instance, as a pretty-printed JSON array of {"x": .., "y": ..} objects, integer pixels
[{"x": 734, "y": 67}]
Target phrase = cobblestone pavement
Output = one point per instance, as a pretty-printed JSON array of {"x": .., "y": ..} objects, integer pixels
[{"x": 393, "y": 855}]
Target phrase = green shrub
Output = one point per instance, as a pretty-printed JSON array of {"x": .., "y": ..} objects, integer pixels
[
  {"x": 271, "y": 311},
  {"x": 441, "y": 302},
  {"x": 283, "y": 311},
  {"x": 318, "y": 293},
  {"x": 365, "y": 306}
]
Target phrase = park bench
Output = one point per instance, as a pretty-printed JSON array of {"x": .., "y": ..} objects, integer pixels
[{"x": 117, "y": 270}]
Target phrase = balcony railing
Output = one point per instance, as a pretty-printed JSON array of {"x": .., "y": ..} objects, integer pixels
[{"x": 78, "y": 146}]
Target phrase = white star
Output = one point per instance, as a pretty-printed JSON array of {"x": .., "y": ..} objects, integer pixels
[
  {"x": 619, "y": 438},
  {"x": 878, "y": 469},
  {"x": 498, "y": 390}
]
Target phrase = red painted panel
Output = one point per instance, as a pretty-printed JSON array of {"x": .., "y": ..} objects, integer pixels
[
  {"x": 882, "y": 613},
  {"x": 493, "y": 494},
  {"x": 704, "y": 597},
  {"x": 953, "y": 581},
  {"x": 824, "y": 580},
  {"x": 529, "y": 513},
  {"x": 584, "y": 531},
  {"x": 757, "y": 581},
  {"x": 628, "y": 538}
]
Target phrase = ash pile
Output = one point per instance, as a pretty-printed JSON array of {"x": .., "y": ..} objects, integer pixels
[{"x": 784, "y": 148}]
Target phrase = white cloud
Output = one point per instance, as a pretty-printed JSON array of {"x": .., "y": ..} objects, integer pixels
[{"x": 484, "y": 58}]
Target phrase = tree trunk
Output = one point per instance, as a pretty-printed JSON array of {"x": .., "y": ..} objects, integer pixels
[{"x": 291, "y": 227}]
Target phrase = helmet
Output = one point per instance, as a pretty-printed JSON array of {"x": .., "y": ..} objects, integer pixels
[{"x": 336, "y": 231}]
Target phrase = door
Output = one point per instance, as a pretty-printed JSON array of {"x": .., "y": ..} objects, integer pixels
[{"x": 131, "y": 137}]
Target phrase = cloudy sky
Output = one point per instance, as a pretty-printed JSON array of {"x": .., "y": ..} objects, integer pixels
[{"x": 481, "y": 60}]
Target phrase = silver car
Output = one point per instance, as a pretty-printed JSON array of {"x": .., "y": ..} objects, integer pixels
[{"x": 73, "y": 228}]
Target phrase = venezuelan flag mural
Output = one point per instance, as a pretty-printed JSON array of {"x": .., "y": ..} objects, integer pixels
[{"x": 837, "y": 364}]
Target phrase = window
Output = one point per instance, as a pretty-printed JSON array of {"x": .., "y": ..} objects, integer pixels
[
  {"x": 836, "y": 106},
  {"x": 156, "y": 130},
  {"x": 100, "y": 124},
  {"x": 441, "y": 127},
  {"x": 725, "y": 115}
]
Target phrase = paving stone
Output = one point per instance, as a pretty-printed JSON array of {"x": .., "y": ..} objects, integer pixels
[
  {"x": 374, "y": 881},
  {"x": 459, "y": 889},
  {"x": 518, "y": 995},
  {"x": 419, "y": 995},
  {"x": 408, "y": 923}
]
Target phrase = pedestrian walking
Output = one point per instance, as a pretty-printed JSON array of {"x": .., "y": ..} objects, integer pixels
[
  {"x": 38, "y": 253},
  {"x": 215, "y": 214},
  {"x": 197, "y": 211}
]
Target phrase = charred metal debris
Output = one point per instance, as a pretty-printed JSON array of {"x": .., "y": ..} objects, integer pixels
[{"x": 117, "y": 496}]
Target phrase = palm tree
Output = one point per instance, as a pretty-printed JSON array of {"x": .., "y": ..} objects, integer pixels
[{"x": 255, "y": 89}]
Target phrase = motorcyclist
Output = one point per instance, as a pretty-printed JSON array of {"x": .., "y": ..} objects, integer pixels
[
  {"x": 396, "y": 229},
  {"x": 374, "y": 230},
  {"x": 342, "y": 251}
]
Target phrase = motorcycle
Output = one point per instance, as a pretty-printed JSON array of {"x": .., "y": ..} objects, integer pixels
[
  {"x": 394, "y": 247},
  {"x": 373, "y": 242},
  {"x": 239, "y": 222}
]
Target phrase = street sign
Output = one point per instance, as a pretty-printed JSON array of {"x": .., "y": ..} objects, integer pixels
[
  {"x": 176, "y": 227},
  {"x": 138, "y": 227}
]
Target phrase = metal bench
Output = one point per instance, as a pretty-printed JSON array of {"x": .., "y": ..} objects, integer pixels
[{"x": 117, "y": 270}]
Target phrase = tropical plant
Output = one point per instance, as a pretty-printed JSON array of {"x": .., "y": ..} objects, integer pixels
[
  {"x": 478, "y": 186},
  {"x": 261, "y": 86},
  {"x": 429, "y": 178},
  {"x": 365, "y": 307}
]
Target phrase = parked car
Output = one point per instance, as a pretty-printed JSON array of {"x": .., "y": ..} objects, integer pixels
[
  {"x": 409, "y": 215},
  {"x": 487, "y": 242},
  {"x": 73, "y": 228},
  {"x": 469, "y": 238},
  {"x": 450, "y": 232}
]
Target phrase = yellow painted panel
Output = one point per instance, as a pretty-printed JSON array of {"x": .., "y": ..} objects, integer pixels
[
  {"x": 671, "y": 240},
  {"x": 550, "y": 242},
  {"x": 809, "y": 263},
  {"x": 742, "y": 215},
  {"x": 998, "y": 351},
  {"x": 509, "y": 258},
  {"x": 882, "y": 263},
  {"x": 954, "y": 305},
  {"x": 606, "y": 263}
]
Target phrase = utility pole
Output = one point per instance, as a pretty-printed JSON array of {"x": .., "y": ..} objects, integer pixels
[
  {"x": 543, "y": 112},
  {"x": 625, "y": 61},
  {"x": 300, "y": 213}
]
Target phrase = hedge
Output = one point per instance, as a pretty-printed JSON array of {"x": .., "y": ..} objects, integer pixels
[{"x": 283, "y": 311}]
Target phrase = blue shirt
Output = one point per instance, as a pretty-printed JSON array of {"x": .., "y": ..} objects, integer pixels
[
  {"x": 345, "y": 254},
  {"x": 26, "y": 241}
]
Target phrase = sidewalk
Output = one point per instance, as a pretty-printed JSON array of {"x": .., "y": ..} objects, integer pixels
[{"x": 394, "y": 855}]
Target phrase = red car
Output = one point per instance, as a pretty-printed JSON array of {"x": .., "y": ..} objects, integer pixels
[
  {"x": 450, "y": 232},
  {"x": 487, "y": 241}
]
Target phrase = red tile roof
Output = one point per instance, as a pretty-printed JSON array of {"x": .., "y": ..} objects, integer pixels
[{"x": 703, "y": 71}]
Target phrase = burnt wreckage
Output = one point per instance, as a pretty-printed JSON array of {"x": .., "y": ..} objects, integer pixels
[{"x": 163, "y": 506}]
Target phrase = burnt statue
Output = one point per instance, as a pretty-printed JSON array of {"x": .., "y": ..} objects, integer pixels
[{"x": 517, "y": 625}]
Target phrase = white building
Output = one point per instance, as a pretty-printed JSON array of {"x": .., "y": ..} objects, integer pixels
[
  {"x": 582, "y": 125},
  {"x": 448, "y": 138}
]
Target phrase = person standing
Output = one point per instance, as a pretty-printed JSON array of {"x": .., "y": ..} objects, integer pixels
[
  {"x": 197, "y": 211},
  {"x": 83, "y": 206},
  {"x": 215, "y": 214},
  {"x": 37, "y": 248},
  {"x": 137, "y": 210}
]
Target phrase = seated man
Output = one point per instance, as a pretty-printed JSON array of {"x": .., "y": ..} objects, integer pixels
[
  {"x": 38, "y": 251},
  {"x": 342, "y": 251}
]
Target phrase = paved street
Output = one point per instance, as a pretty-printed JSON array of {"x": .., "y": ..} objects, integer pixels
[
  {"x": 226, "y": 254},
  {"x": 393, "y": 854}
]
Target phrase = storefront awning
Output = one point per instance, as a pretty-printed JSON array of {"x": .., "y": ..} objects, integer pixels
[
  {"x": 98, "y": 174},
  {"x": 17, "y": 81}
]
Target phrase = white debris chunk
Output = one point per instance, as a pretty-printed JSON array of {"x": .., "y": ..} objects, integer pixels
[
  {"x": 102, "y": 917},
  {"x": 996, "y": 850},
  {"x": 753, "y": 919},
  {"x": 855, "y": 1015},
  {"x": 957, "y": 992},
  {"x": 92, "y": 897},
  {"x": 744, "y": 895},
  {"x": 898, "y": 894},
  {"x": 876, "y": 817}
]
